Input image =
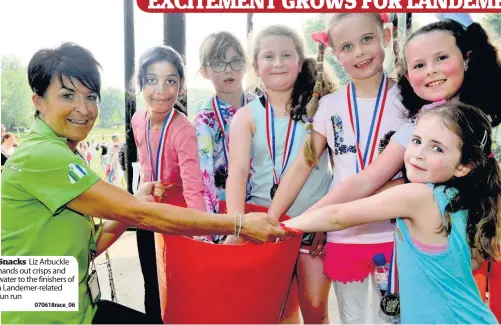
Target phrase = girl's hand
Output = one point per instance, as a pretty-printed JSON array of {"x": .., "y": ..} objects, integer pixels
[
  {"x": 317, "y": 247},
  {"x": 151, "y": 191}
]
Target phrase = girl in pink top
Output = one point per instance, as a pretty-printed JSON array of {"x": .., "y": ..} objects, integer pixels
[{"x": 167, "y": 150}]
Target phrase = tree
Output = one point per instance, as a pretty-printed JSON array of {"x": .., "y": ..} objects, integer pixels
[
  {"x": 494, "y": 23},
  {"x": 115, "y": 117},
  {"x": 317, "y": 24},
  {"x": 111, "y": 108},
  {"x": 17, "y": 108}
]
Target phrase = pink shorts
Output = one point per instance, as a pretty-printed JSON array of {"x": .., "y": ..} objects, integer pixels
[{"x": 353, "y": 262}]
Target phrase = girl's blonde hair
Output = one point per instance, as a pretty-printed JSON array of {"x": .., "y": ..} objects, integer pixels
[{"x": 311, "y": 84}]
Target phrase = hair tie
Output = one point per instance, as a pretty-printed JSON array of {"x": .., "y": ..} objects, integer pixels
[
  {"x": 432, "y": 105},
  {"x": 491, "y": 155},
  {"x": 384, "y": 17},
  {"x": 308, "y": 131},
  {"x": 309, "y": 120},
  {"x": 320, "y": 37},
  {"x": 314, "y": 95},
  {"x": 320, "y": 52}
]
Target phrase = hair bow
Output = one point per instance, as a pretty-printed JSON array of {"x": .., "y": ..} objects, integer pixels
[
  {"x": 432, "y": 105},
  {"x": 320, "y": 37}
]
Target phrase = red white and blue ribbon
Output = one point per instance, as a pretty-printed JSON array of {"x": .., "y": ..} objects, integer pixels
[
  {"x": 156, "y": 173},
  {"x": 393, "y": 273},
  {"x": 270, "y": 137},
  {"x": 216, "y": 106},
  {"x": 372, "y": 138}
]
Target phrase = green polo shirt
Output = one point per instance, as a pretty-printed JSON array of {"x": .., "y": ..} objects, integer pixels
[{"x": 41, "y": 177}]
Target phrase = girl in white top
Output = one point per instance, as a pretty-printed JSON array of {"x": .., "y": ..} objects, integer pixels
[
  {"x": 356, "y": 122},
  {"x": 465, "y": 65}
]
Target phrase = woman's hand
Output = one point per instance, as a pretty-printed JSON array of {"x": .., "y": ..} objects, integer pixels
[{"x": 258, "y": 227}]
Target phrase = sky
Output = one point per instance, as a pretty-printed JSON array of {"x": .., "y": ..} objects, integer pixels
[{"x": 98, "y": 26}]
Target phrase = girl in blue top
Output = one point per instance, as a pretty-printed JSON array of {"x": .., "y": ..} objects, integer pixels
[
  {"x": 265, "y": 137},
  {"x": 452, "y": 201}
]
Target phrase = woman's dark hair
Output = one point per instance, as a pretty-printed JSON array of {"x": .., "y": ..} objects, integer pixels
[
  {"x": 482, "y": 80},
  {"x": 304, "y": 99},
  {"x": 169, "y": 55},
  {"x": 480, "y": 189},
  {"x": 70, "y": 60}
]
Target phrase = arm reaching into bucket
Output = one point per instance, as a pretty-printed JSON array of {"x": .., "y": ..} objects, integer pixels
[
  {"x": 238, "y": 167},
  {"x": 107, "y": 201},
  {"x": 414, "y": 201}
]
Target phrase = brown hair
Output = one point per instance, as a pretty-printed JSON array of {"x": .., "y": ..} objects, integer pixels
[
  {"x": 479, "y": 192},
  {"x": 215, "y": 45},
  {"x": 6, "y": 136}
]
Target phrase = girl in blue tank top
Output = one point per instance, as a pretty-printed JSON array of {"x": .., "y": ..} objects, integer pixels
[
  {"x": 267, "y": 134},
  {"x": 452, "y": 202}
]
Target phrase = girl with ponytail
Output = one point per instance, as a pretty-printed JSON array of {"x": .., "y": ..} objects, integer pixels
[
  {"x": 447, "y": 213},
  {"x": 267, "y": 135},
  {"x": 356, "y": 122}
]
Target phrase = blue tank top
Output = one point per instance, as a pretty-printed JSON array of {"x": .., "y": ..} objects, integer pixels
[
  {"x": 261, "y": 168},
  {"x": 439, "y": 288}
]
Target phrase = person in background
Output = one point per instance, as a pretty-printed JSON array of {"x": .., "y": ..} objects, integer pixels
[
  {"x": 8, "y": 146},
  {"x": 104, "y": 155}
]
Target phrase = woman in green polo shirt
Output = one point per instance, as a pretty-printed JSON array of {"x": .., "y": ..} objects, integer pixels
[{"x": 48, "y": 191}]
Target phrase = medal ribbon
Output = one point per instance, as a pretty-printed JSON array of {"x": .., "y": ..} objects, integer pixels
[
  {"x": 375, "y": 123},
  {"x": 219, "y": 117},
  {"x": 393, "y": 274},
  {"x": 270, "y": 137},
  {"x": 156, "y": 175}
]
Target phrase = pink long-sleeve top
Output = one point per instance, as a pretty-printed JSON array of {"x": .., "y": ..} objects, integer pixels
[{"x": 180, "y": 162}]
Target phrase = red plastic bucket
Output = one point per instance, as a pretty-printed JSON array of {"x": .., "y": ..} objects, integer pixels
[
  {"x": 495, "y": 289},
  {"x": 239, "y": 284},
  {"x": 480, "y": 276}
]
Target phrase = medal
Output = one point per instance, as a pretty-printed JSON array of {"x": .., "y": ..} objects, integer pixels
[
  {"x": 220, "y": 177},
  {"x": 390, "y": 304},
  {"x": 273, "y": 190},
  {"x": 157, "y": 171},
  {"x": 372, "y": 138},
  {"x": 270, "y": 138}
]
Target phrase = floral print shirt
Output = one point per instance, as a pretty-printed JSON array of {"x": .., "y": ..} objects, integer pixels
[{"x": 213, "y": 161}]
